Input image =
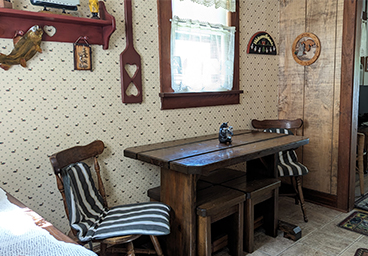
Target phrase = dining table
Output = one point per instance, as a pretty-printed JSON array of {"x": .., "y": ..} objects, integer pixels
[{"x": 184, "y": 161}]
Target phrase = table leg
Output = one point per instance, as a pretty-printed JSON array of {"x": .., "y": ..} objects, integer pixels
[{"x": 178, "y": 190}]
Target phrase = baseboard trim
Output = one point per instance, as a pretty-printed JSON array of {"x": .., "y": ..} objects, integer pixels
[{"x": 318, "y": 197}]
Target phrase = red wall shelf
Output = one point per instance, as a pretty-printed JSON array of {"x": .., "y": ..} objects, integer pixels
[{"x": 68, "y": 28}]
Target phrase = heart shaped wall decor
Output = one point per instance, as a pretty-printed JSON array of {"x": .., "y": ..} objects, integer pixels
[{"x": 49, "y": 30}]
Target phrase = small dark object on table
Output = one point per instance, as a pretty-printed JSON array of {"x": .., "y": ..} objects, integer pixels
[{"x": 225, "y": 133}]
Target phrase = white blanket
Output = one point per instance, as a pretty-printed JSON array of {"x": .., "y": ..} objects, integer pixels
[{"x": 19, "y": 235}]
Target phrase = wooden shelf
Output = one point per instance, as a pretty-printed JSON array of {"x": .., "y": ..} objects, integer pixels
[{"x": 68, "y": 28}]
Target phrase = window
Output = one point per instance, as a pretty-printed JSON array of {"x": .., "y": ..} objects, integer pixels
[{"x": 186, "y": 80}]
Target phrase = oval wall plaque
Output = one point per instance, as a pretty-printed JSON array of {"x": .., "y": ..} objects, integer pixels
[{"x": 306, "y": 49}]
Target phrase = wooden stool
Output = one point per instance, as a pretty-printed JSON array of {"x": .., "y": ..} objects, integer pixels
[
  {"x": 154, "y": 194},
  {"x": 214, "y": 204},
  {"x": 258, "y": 191}
]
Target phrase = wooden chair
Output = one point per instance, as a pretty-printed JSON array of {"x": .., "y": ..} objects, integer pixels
[
  {"x": 360, "y": 160},
  {"x": 287, "y": 168},
  {"x": 292, "y": 125},
  {"x": 94, "y": 222}
]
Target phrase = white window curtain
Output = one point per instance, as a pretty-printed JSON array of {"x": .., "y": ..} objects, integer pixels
[
  {"x": 229, "y": 5},
  {"x": 61, "y": 2},
  {"x": 202, "y": 56}
]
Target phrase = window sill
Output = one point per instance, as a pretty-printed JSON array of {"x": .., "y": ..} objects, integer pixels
[{"x": 172, "y": 100}]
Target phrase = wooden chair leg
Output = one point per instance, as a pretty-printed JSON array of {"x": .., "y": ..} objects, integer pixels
[
  {"x": 361, "y": 180},
  {"x": 156, "y": 245},
  {"x": 360, "y": 160},
  {"x": 294, "y": 185},
  {"x": 301, "y": 197},
  {"x": 249, "y": 226},
  {"x": 103, "y": 249},
  {"x": 204, "y": 236},
  {"x": 130, "y": 248}
]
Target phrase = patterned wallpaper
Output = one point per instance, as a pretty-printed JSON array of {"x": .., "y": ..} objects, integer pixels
[{"x": 48, "y": 107}]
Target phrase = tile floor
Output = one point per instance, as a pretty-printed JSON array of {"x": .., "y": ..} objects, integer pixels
[{"x": 320, "y": 235}]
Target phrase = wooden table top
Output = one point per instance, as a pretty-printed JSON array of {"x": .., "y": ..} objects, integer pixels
[{"x": 203, "y": 154}]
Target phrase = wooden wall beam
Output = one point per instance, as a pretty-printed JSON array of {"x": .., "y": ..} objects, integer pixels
[{"x": 346, "y": 160}]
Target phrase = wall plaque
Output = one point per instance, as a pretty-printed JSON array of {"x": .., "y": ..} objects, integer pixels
[
  {"x": 261, "y": 43},
  {"x": 306, "y": 49}
]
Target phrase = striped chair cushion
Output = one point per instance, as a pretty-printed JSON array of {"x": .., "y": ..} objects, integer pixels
[
  {"x": 84, "y": 202},
  {"x": 287, "y": 163},
  {"x": 91, "y": 221},
  {"x": 151, "y": 218}
]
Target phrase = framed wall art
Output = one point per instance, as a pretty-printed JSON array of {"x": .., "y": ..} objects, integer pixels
[
  {"x": 82, "y": 55},
  {"x": 306, "y": 49}
]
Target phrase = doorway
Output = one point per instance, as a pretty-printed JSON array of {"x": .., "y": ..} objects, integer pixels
[{"x": 361, "y": 182}]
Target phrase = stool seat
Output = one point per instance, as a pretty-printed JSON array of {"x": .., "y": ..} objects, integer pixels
[
  {"x": 258, "y": 191},
  {"x": 216, "y": 203},
  {"x": 253, "y": 188},
  {"x": 216, "y": 199},
  {"x": 154, "y": 194}
]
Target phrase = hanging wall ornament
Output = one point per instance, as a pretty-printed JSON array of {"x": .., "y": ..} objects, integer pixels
[
  {"x": 82, "y": 54},
  {"x": 262, "y": 43},
  {"x": 130, "y": 60},
  {"x": 306, "y": 49}
]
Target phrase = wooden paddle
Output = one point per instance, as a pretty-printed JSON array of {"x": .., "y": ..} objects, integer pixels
[{"x": 129, "y": 57}]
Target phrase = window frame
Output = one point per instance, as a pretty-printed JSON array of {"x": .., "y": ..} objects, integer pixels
[{"x": 173, "y": 100}]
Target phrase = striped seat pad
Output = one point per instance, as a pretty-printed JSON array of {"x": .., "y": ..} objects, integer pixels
[
  {"x": 288, "y": 164},
  {"x": 151, "y": 218},
  {"x": 92, "y": 221},
  {"x": 85, "y": 204}
]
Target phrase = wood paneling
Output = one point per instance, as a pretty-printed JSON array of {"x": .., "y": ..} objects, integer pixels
[
  {"x": 337, "y": 92},
  {"x": 291, "y": 84},
  {"x": 312, "y": 92},
  {"x": 319, "y": 95}
]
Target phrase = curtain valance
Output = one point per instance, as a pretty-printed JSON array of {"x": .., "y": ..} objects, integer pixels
[{"x": 229, "y": 5}]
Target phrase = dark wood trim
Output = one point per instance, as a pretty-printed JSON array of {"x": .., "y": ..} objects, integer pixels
[
  {"x": 346, "y": 163},
  {"x": 234, "y": 21},
  {"x": 320, "y": 198},
  {"x": 69, "y": 28},
  {"x": 164, "y": 14},
  {"x": 173, "y": 100},
  {"x": 203, "y": 99},
  {"x": 314, "y": 196}
]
